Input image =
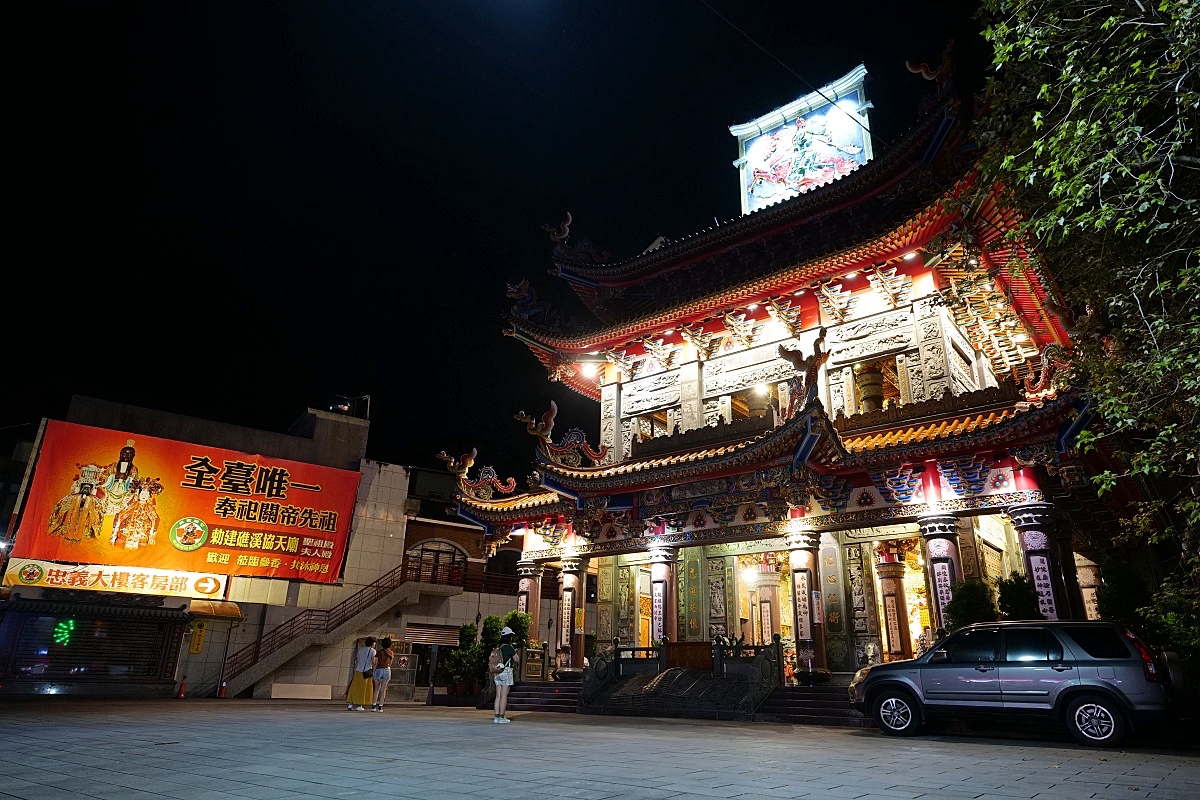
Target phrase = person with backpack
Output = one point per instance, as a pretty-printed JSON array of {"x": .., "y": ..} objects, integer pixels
[
  {"x": 383, "y": 672},
  {"x": 502, "y": 672}
]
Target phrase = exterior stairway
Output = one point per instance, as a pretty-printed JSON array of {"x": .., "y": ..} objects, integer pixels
[
  {"x": 560, "y": 697},
  {"x": 315, "y": 626},
  {"x": 811, "y": 705}
]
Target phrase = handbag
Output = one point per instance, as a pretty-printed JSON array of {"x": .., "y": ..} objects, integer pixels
[{"x": 367, "y": 673}]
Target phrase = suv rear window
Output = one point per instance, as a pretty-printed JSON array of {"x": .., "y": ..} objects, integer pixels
[{"x": 1097, "y": 641}]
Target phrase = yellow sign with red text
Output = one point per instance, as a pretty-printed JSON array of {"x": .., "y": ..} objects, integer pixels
[
  {"x": 105, "y": 578},
  {"x": 105, "y": 497}
]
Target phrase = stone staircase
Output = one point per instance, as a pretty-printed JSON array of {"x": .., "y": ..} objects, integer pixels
[
  {"x": 314, "y": 626},
  {"x": 811, "y": 705},
  {"x": 557, "y": 697}
]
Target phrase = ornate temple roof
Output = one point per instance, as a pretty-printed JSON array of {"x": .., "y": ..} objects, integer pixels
[{"x": 893, "y": 205}]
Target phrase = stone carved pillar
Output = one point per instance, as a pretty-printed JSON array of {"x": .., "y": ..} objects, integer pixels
[
  {"x": 571, "y": 608},
  {"x": 529, "y": 594},
  {"x": 610, "y": 421},
  {"x": 942, "y": 561},
  {"x": 807, "y": 610},
  {"x": 869, "y": 383},
  {"x": 895, "y": 609},
  {"x": 664, "y": 604},
  {"x": 691, "y": 395},
  {"x": 1043, "y": 557}
]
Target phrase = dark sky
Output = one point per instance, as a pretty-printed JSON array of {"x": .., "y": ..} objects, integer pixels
[{"x": 237, "y": 211}]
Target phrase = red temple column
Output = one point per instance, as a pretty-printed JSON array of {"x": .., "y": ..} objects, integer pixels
[
  {"x": 940, "y": 535},
  {"x": 529, "y": 593},
  {"x": 664, "y": 619},
  {"x": 890, "y": 568},
  {"x": 807, "y": 617},
  {"x": 571, "y": 605},
  {"x": 1044, "y": 557}
]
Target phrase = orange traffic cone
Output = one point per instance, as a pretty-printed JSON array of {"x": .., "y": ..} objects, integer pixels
[
  {"x": 221, "y": 691},
  {"x": 182, "y": 689}
]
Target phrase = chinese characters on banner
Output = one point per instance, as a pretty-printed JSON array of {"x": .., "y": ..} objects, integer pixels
[
  {"x": 941, "y": 583},
  {"x": 104, "y": 578},
  {"x": 114, "y": 499},
  {"x": 800, "y": 591},
  {"x": 656, "y": 614},
  {"x": 568, "y": 605},
  {"x": 1039, "y": 566},
  {"x": 892, "y": 618}
]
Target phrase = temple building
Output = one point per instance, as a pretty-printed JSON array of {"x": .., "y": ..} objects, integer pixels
[{"x": 815, "y": 419}]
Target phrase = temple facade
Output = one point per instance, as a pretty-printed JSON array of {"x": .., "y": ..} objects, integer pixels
[{"x": 814, "y": 420}]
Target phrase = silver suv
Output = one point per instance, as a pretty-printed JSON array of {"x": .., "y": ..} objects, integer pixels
[{"x": 1097, "y": 677}]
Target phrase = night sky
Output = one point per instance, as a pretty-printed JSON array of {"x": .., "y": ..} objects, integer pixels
[{"x": 238, "y": 211}]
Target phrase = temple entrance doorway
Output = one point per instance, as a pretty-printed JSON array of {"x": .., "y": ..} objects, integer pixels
[{"x": 901, "y": 598}]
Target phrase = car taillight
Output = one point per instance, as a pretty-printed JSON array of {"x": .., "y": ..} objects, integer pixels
[{"x": 1148, "y": 666}]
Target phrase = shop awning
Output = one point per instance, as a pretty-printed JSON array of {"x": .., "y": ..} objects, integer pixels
[
  {"x": 215, "y": 609},
  {"x": 417, "y": 633}
]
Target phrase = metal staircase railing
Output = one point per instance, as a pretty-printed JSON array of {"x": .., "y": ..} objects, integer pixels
[{"x": 318, "y": 621}]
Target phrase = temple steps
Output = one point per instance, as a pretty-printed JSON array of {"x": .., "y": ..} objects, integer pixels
[
  {"x": 558, "y": 697},
  {"x": 811, "y": 705}
]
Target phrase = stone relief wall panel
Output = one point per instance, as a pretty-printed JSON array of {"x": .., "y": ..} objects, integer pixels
[
  {"x": 650, "y": 393},
  {"x": 731, "y": 381}
]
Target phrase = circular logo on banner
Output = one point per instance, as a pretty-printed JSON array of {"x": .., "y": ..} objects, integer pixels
[
  {"x": 206, "y": 585},
  {"x": 188, "y": 534},
  {"x": 30, "y": 573}
]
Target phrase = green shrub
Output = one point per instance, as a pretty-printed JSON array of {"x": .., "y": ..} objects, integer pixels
[
  {"x": 1018, "y": 598},
  {"x": 973, "y": 602}
]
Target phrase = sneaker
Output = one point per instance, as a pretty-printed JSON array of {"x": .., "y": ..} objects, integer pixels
[
  {"x": 379, "y": 709},
  {"x": 349, "y": 706},
  {"x": 503, "y": 720},
  {"x": 359, "y": 708}
]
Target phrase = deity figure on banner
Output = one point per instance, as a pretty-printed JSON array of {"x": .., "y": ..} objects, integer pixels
[
  {"x": 79, "y": 515},
  {"x": 137, "y": 523},
  {"x": 116, "y": 488}
]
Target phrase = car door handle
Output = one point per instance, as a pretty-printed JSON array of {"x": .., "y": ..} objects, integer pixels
[
  {"x": 982, "y": 668},
  {"x": 1061, "y": 667}
]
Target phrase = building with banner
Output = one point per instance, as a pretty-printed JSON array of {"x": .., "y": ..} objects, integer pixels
[
  {"x": 814, "y": 419},
  {"x": 151, "y": 550}
]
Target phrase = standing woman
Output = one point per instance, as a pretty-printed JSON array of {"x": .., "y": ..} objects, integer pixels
[
  {"x": 504, "y": 672},
  {"x": 383, "y": 672},
  {"x": 361, "y": 686}
]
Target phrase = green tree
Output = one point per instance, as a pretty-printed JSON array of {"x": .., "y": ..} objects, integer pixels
[
  {"x": 1090, "y": 133},
  {"x": 1018, "y": 598},
  {"x": 519, "y": 622},
  {"x": 972, "y": 602}
]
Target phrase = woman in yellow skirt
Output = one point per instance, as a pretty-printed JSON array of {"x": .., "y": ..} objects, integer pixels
[{"x": 362, "y": 687}]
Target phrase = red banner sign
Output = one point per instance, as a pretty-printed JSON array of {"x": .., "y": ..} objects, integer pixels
[{"x": 100, "y": 496}]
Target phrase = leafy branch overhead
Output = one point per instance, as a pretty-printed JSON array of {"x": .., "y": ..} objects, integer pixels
[{"x": 1090, "y": 125}]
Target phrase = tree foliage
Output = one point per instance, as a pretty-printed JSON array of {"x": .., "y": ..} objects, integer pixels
[{"x": 1090, "y": 126}]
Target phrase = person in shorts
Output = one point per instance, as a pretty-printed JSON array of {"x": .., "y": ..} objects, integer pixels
[
  {"x": 384, "y": 655},
  {"x": 503, "y": 673}
]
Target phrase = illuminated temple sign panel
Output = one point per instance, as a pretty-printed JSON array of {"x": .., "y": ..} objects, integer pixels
[{"x": 807, "y": 143}]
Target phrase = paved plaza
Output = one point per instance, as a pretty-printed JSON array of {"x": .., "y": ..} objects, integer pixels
[{"x": 229, "y": 749}]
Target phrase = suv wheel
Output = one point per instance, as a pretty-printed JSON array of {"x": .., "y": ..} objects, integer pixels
[
  {"x": 1095, "y": 721},
  {"x": 896, "y": 713}
]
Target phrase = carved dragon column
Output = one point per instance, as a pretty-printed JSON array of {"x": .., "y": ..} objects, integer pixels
[
  {"x": 1044, "y": 558},
  {"x": 610, "y": 420},
  {"x": 940, "y": 534},
  {"x": 807, "y": 616},
  {"x": 529, "y": 593},
  {"x": 572, "y": 603},
  {"x": 664, "y": 620}
]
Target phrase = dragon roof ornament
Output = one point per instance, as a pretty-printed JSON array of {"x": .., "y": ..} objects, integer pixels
[
  {"x": 482, "y": 488},
  {"x": 574, "y": 445}
]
